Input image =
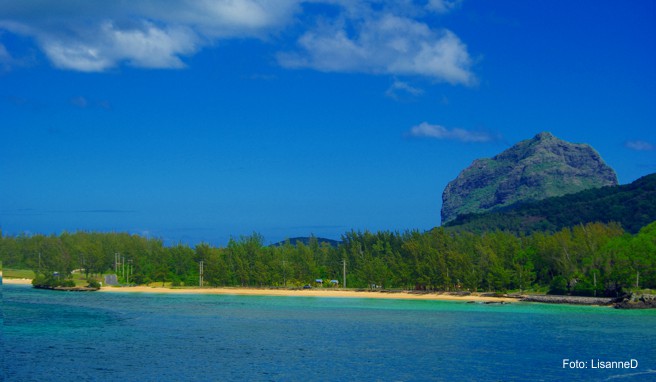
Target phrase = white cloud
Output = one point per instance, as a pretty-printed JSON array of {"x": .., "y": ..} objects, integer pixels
[
  {"x": 75, "y": 55},
  {"x": 143, "y": 45},
  {"x": 639, "y": 145},
  {"x": 442, "y": 6},
  {"x": 379, "y": 37},
  {"x": 96, "y": 36},
  {"x": 151, "y": 46},
  {"x": 223, "y": 18},
  {"x": 426, "y": 130},
  {"x": 383, "y": 44}
]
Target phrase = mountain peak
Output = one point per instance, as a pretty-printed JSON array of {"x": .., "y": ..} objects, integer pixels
[
  {"x": 545, "y": 135},
  {"x": 533, "y": 169}
]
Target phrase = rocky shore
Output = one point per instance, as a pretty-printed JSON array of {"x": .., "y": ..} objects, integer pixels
[
  {"x": 67, "y": 289},
  {"x": 574, "y": 300},
  {"x": 634, "y": 301}
]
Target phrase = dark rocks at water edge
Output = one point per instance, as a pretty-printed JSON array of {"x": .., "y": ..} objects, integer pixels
[
  {"x": 573, "y": 300},
  {"x": 531, "y": 170},
  {"x": 66, "y": 289},
  {"x": 635, "y": 301}
]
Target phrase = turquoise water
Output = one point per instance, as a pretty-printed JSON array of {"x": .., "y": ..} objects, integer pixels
[{"x": 55, "y": 336}]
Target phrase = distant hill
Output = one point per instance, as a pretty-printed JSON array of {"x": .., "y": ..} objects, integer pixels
[
  {"x": 306, "y": 240},
  {"x": 531, "y": 170},
  {"x": 632, "y": 205}
]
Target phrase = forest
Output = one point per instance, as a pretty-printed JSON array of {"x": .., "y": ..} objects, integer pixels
[
  {"x": 591, "y": 259},
  {"x": 632, "y": 205}
]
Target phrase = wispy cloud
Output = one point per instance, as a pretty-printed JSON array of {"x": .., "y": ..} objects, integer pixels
[
  {"x": 84, "y": 103},
  {"x": 443, "y": 6},
  {"x": 639, "y": 145},
  {"x": 402, "y": 87},
  {"x": 104, "y": 104},
  {"x": 80, "y": 102},
  {"x": 390, "y": 38},
  {"x": 32, "y": 211},
  {"x": 16, "y": 100},
  {"x": 22, "y": 102},
  {"x": 426, "y": 130},
  {"x": 106, "y": 211},
  {"x": 6, "y": 60}
]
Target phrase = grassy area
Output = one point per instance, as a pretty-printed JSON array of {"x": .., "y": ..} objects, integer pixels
[
  {"x": 160, "y": 284},
  {"x": 79, "y": 278},
  {"x": 643, "y": 291},
  {"x": 17, "y": 273}
]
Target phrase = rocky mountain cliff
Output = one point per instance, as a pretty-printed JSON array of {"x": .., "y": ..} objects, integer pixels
[{"x": 531, "y": 170}]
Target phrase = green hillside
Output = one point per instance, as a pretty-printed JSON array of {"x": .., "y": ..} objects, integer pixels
[
  {"x": 307, "y": 240},
  {"x": 632, "y": 205}
]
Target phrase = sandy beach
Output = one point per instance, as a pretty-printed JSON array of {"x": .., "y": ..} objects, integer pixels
[
  {"x": 17, "y": 281},
  {"x": 314, "y": 292}
]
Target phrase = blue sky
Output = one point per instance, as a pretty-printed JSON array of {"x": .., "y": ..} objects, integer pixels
[{"x": 200, "y": 120}]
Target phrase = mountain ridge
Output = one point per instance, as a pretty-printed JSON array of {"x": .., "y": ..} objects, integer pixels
[{"x": 530, "y": 170}]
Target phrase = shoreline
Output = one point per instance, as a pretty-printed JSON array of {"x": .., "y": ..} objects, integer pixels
[
  {"x": 475, "y": 297},
  {"x": 13, "y": 281},
  {"x": 315, "y": 292}
]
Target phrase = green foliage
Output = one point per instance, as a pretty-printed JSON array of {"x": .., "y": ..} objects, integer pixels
[
  {"x": 583, "y": 288},
  {"x": 52, "y": 281},
  {"x": 18, "y": 273},
  {"x": 632, "y": 205},
  {"x": 558, "y": 286},
  {"x": 40, "y": 280},
  {"x": 588, "y": 259}
]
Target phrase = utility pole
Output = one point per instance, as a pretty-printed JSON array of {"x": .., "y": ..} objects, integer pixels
[
  {"x": 129, "y": 271},
  {"x": 284, "y": 273},
  {"x": 200, "y": 275},
  {"x": 344, "y": 272},
  {"x": 123, "y": 269},
  {"x": 447, "y": 278},
  {"x": 594, "y": 275}
]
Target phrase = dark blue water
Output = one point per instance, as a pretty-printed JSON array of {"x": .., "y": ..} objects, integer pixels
[{"x": 56, "y": 336}]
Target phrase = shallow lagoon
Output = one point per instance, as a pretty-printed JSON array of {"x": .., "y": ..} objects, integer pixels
[{"x": 58, "y": 336}]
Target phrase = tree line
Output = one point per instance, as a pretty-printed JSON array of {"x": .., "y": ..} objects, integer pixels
[
  {"x": 632, "y": 205},
  {"x": 591, "y": 259}
]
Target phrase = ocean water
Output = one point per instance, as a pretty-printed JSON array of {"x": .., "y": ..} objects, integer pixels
[{"x": 55, "y": 336}]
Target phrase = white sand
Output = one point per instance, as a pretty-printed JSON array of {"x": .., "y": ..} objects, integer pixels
[{"x": 315, "y": 292}]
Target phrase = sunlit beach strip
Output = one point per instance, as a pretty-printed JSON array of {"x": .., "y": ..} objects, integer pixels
[{"x": 403, "y": 295}]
